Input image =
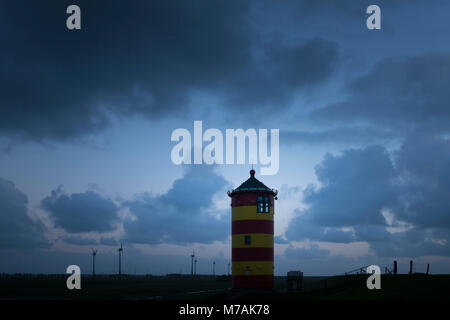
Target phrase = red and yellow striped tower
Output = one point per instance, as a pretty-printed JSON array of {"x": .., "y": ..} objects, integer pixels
[{"x": 252, "y": 234}]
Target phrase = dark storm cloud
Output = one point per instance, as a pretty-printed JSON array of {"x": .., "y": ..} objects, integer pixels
[
  {"x": 79, "y": 241},
  {"x": 282, "y": 71},
  {"x": 182, "y": 215},
  {"x": 359, "y": 184},
  {"x": 140, "y": 57},
  {"x": 402, "y": 93},
  {"x": 302, "y": 227},
  {"x": 345, "y": 135},
  {"x": 17, "y": 229},
  {"x": 356, "y": 186},
  {"x": 109, "y": 242},
  {"x": 371, "y": 233},
  {"x": 350, "y": 8},
  {"x": 135, "y": 57},
  {"x": 413, "y": 243},
  {"x": 81, "y": 212},
  {"x": 424, "y": 165}
]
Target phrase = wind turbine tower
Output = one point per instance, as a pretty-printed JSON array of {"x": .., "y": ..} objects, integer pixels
[
  {"x": 94, "y": 253},
  {"x": 192, "y": 262},
  {"x": 120, "y": 260},
  {"x": 214, "y": 268},
  {"x": 195, "y": 267}
]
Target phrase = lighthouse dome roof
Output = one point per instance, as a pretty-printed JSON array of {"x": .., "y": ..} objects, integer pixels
[{"x": 252, "y": 184}]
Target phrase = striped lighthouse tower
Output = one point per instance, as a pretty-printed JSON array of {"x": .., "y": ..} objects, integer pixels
[{"x": 252, "y": 234}]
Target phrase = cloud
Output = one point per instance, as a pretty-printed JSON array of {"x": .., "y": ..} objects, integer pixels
[
  {"x": 284, "y": 70},
  {"x": 302, "y": 253},
  {"x": 81, "y": 212},
  {"x": 414, "y": 243},
  {"x": 185, "y": 214},
  {"x": 336, "y": 235},
  {"x": 371, "y": 233},
  {"x": 302, "y": 227},
  {"x": 108, "y": 241},
  {"x": 17, "y": 229},
  {"x": 142, "y": 58},
  {"x": 280, "y": 240},
  {"x": 397, "y": 204},
  {"x": 345, "y": 135},
  {"x": 424, "y": 167},
  {"x": 355, "y": 187},
  {"x": 80, "y": 241},
  {"x": 401, "y": 93},
  {"x": 138, "y": 58}
]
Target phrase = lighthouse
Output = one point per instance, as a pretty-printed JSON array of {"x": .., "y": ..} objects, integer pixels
[{"x": 252, "y": 227}]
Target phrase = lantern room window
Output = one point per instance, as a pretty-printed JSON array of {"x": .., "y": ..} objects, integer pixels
[{"x": 263, "y": 204}]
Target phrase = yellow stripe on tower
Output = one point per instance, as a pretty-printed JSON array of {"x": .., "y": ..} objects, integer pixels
[
  {"x": 249, "y": 213},
  {"x": 257, "y": 240},
  {"x": 243, "y": 268}
]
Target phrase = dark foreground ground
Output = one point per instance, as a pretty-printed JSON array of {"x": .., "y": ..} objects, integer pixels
[{"x": 403, "y": 287}]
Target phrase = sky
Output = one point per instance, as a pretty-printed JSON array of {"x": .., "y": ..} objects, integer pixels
[{"x": 86, "y": 118}]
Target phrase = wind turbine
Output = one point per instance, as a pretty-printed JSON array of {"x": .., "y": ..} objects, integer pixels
[
  {"x": 94, "y": 253},
  {"x": 120, "y": 260},
  {"x": 192, "y": 262},
  {"x": 214, "y": 268}
]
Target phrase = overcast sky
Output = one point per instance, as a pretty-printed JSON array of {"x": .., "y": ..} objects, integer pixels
[{"x": 86, "y": 118}]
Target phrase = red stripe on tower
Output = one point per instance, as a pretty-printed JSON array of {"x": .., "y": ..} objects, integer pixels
[
  {"x": 256, "y": 281},
  {"x": 252, "y": 226},
  {"x": 252, "y": 254}
]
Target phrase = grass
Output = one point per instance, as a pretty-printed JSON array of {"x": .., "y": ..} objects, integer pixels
[
  {"x": 206, "y": 288},
  {"x": 399, "y": 287},
  {"x": 106, "y": 288}
]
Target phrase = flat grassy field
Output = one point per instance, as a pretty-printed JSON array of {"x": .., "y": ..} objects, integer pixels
[
  {"x": 207, "y": 288},
  {"x": 399, "y": 287},
  {"x": 108, "y": 288}
]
